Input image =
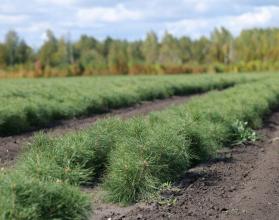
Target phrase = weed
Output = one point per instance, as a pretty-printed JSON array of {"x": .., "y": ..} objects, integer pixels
[{"x": 243, "y": 133}]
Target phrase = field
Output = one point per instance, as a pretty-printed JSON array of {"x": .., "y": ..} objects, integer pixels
[
  {"x": 28, "y": 103},
  {"x": 130, "y": 160}
]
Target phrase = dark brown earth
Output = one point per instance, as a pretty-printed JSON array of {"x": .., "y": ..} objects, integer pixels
[
  {"x": 12, "y": 145},
  {"x": 241, "y": 183}
]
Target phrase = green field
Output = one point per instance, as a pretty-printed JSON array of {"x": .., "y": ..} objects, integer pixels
[
  {"x": 31, "y": 103},
  {"x": 131, "y": 159}
]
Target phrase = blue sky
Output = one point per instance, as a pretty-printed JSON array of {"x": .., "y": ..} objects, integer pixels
[{"x": 131, "y": 19}]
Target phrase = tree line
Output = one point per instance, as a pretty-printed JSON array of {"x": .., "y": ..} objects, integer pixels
[{"x": 253, "y": 50}]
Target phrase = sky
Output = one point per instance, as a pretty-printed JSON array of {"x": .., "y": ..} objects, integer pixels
[{"x": 132, "y": 19}]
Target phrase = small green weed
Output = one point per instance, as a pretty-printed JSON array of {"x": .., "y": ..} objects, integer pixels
[
  {"x": 165, "y": 195},
  {"x": 243, "y": 133}
]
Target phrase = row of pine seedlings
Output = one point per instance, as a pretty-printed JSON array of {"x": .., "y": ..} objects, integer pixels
[
  {"x": 131, "y": 158},
  {"x": 32, "y": 103}
]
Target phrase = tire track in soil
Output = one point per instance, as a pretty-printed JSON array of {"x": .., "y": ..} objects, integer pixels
[
  {"x": 11, "y": 146},
  {"x": 242, "y": 183}
]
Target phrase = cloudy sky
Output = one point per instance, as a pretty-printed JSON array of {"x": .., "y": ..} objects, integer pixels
[{"x": 131, "y": 19}]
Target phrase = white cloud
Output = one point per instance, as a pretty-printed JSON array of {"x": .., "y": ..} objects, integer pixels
[
  {"x": 36, "y": 27},
  {"x": 12, "y": 19},
  {"x": 106, "y": 14},
  {"x": 201, "y": 7},
  {"x": 258, "y": 17},
  {"x": 132, "y": 19},
  {"x": 7, "y": 8},
  {"x": 192, "y": 27},
  {"x": 57, "y": 2}
]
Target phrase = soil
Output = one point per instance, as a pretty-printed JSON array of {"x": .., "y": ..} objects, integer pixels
[
  {"x": 11, "y": 146},
  {"x": 241, "y": 183}
]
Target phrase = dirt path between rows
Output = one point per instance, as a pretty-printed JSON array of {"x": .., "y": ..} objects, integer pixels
[
  {"x": 240, "y": 184},
  {"x": 12, "y": 145}
]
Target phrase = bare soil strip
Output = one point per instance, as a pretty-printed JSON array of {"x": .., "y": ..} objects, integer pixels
[
  {"x": 12, "y": 145},
  {"x": 241, "y": 183}
]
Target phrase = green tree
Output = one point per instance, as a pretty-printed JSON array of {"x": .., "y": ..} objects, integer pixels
[
  {"x": 93, "y": 60},
  {"x": 3, "y": 56},
  {"x": 200, "y": 50},
  {"x": 150, "y": 48},
  {"x": 85, "y": 43},
  {"x": 48, "y": 50},
  {"x": 170, "y": 53},
  {"x": 221, "y": 47},
  {"x": 117, "y": 58},
  {"x": 24, "y": 53},
  {"x": 134, "y": 53},
  {"x": 185, "y": 46},
  {"x": 11, "y": 45},
  {"x": 106, "y": 46},
  {"x": 61, "y": 56}
]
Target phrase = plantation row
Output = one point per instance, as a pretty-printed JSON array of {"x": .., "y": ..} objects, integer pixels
[
  {"x": 29, "y": 103},
  {"x": 131, "y": 158}
]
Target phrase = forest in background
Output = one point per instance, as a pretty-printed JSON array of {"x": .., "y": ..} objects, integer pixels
[{"x": 253, "y": 50}]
